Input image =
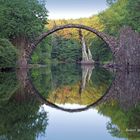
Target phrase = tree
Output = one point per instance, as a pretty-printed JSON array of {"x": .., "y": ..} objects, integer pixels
[
  {"x": 21, "y": 22},
  {"x": 22, "y": 19},
  {"x": 42, "y": 54},
  {"x": 121, "y": 13},
  {"x": 22, "y": 117},
  {"x": 65, "y": 49},
  {"x": 114, "y": 17}
]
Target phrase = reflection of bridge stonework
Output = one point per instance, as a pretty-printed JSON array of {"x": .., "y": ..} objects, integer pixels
[
  {"x": 128, "y": 53},
  {"x": 124, "y": 89}
]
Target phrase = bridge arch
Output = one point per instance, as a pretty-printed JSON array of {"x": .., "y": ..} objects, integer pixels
[{"x": 109, "y": 40}]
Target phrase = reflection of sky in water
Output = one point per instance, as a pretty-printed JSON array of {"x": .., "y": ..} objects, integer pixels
[
  {"x": 71, "y": 106},
  {"x": 87, "y": 125}
]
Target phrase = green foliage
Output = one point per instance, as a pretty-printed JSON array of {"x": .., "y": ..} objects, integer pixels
[
  {"x": 133, "y": 15},
  {"x": 42, "y": 54},
  {"x": 100, "y": 51},
  {"x": 21, "y": 22},
  {"x": 114, "y": 17},
  {"x": 119, "y": 14},
  {"x": 24, "y": 18},
  {"x": 66, "y": 50},
  {"x": 8, "y": 54}
]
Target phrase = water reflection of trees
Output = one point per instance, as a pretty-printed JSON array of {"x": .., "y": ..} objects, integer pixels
[
  {"x": 65, "y": 74},
  {"x": 123, "y": 106},
  {"x": 19, "y": 110},
  {"x": 20, "y": 121},
  {"x": 8, "y": 85},
  {"x": 123, "y": 123},
  {"x": 20, "y": 117},
  {"x": 72, "y": 84}
]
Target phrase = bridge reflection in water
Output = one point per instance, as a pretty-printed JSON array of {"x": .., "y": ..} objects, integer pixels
[
  {"x": 123, "y": 87},
  {"x": 23, "y": 95}
]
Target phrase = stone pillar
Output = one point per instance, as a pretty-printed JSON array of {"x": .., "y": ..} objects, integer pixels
[{"x": 128, "y": 55}]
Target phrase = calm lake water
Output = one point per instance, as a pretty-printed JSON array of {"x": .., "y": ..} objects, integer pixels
[{"x": 69, "y": 102}]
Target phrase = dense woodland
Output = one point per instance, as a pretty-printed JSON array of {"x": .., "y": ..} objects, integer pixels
[{"x": 22, "y": 21}]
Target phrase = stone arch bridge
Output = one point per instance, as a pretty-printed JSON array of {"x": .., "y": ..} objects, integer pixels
[
  {"x": 125, "y": 48},
  {"x": 111, "y": 41}
]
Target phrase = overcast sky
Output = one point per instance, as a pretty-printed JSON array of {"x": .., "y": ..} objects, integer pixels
[{"x": 59, "y": 9}]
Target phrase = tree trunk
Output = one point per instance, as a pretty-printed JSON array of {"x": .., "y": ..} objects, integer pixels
[
  {"x": 86, "y": 53},
  {"x": 86, "y": 76},
  {"x": 89, "y": 54},
  {"x": 21, "y": 44}
]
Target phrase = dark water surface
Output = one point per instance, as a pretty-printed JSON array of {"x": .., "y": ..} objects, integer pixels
[{"x": 69, "y": 102}]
